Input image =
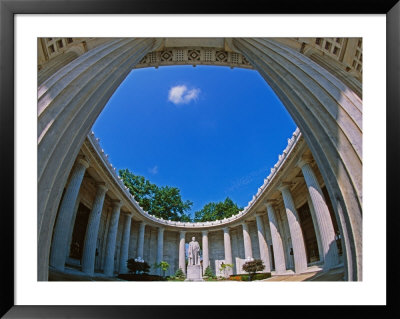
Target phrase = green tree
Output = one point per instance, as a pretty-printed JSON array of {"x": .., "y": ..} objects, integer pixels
[
  {"x": 251, "y": 267},
  {"x": 163, "y": 265},
  {"x": 163, "y": 202},
  {"x": 139, "y": 187},
  {"x": 217, "y": 211},
  {"x": 179, "y": 274},
  {"x": 208, "y": 272},
  {"x": 168, "y": 204}
]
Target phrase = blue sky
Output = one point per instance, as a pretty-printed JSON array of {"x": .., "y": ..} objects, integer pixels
[{"x": 212, "y": 132}]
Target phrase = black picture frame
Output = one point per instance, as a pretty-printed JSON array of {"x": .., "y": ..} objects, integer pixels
[{"x": 8, "y": 10}]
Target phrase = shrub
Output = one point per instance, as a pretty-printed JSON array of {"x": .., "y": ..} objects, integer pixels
[
  {"x": 137, "y": 267},
  {"x": 163, "y": 265},
  {"x": 179, "y": 274},
  {"x": 261, "y": 276},
  {"x": 253, "y": 266},
  {"x": 208, "y": 272}
]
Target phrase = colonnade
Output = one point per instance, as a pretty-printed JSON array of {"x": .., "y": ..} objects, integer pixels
[{"x": 320, "y": 214}]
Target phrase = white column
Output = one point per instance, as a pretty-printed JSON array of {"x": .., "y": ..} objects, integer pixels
[
  {"x": 322, "y": 215},
  {"x": 182, "y": 257},
  {"x": 140, "y": 244},
  {"x": 268, "y": 238},
  {"x": 206, "y": 261},
  {"x": 111, "y": 238},
  {"x": 277, "y": 244},
  {"x": 92, "y": 229},
  {"x": 123, "y": 255},
  {"x": 227, "y": 248},
  {"x": 160, "y": 246},
  {"x": 62, "y": 228},
  {"x": 71, "y": 229},
  {"x": 248, "y": 252},
  {"x": 262, "y": 242},
  {"x": 316, "y": 228},
  {"x": 299, "y": 249},
  {"x": 285, "y": 234}
]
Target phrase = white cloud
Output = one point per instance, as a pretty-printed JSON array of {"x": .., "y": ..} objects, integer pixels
[
  {"x": 181, "y": 95},
  {"x": 153, "y": 170}
]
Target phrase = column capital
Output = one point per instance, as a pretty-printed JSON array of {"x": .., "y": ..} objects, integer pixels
[
  {"x": 127, "y": 214},
  {"x": 161, "y": 229},
  {"x": 304, "y": 159},
  {"x": 183, "y": 232},
  {"x": 260, "y": 214},
  {"x": 83, "y": 160},
  {"x": 102, "y": 186},
  {"x": 226, "y": 229},
  {"x": 204, "y": 232},
  {"x": 284, "y": 185},
  {"x": 116, "y": 203},
  {"x": 271, "y": 202}
]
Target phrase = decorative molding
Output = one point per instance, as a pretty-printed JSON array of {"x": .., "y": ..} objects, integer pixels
[{"x": 193, "y": 56}]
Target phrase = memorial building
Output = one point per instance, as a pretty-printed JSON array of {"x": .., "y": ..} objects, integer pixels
[{"x": 306, "y": 216}]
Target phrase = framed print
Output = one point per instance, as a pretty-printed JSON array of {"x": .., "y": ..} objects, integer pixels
[{"x": 86, "y": 234}]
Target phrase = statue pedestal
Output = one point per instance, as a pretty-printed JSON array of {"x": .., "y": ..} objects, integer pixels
[{"x": 194, "y": 273}]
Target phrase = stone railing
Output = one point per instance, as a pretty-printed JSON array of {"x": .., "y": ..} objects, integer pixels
[{"x": 125, "y": 190}]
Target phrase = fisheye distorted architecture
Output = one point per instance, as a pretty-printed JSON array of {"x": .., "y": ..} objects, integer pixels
[{"x": 307, "y": 215}]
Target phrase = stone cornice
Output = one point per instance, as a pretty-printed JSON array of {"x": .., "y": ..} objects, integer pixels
[
  {"x": 193, "y": 56},
  {"x": 200, "y": 226}
]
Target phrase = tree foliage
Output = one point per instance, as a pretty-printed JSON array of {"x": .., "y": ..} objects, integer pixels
[
  {"x": 208, "y": 272},
  {"x": 166, "y": 201},
  {"x": 179, "y": 273},
  {"x": 251, "y": 267},
  {"x": 163, "y": 265},
  {"x": 163, "y": 202},
  {"x": 138, "y": 267},
  {"x": 217, "y": 211}
]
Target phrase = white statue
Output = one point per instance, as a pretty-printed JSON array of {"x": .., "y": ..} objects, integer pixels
[{"x": 194, "y": 253}]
